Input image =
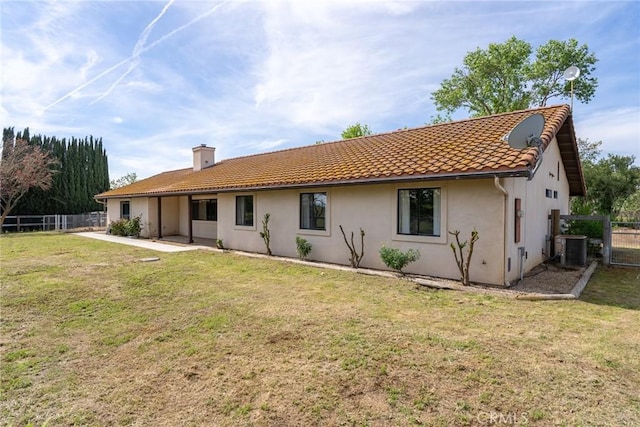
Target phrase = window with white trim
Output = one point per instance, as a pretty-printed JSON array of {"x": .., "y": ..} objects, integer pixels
[
  {"x": 244, "y": 210},
  {"x": 419, "y": 211},
  {"x": 313, "y": 210}
]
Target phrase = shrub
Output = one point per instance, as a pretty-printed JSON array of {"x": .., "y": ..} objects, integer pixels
[
  {"x": 396, "y": 259},
  {"x": 117, "y": 227},
  {"x": 592, "y": 229},
  {"x": 133, "y": 227},
  {"x": 303, "y": 246},
  {"x": 126, "y": 227}
]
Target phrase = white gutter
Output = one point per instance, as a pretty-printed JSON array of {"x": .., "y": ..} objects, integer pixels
[{"x": 499, "y": 187}]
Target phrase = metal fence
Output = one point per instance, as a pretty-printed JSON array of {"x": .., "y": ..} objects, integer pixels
[
  {"x": 54, "y": 222},
  {"x": 625, "y": 243}
]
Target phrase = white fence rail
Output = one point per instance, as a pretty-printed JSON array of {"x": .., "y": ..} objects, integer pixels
[{"x": 53, "y": 222}]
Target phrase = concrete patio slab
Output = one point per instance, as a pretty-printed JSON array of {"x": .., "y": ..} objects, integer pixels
[{"x": 142, "y": 243}]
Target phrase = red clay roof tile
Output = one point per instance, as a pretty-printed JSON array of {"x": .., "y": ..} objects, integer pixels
[{"x": 462, "y": 147}]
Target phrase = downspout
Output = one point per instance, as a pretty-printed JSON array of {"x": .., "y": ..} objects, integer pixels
[{"x": 499, "y": 187}]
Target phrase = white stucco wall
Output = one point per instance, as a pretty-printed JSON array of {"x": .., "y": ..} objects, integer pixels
[
  {"x": 113, "y": 210},
  {"x": 183, "y": 212},
  {"x": 537, "y": 207},
  {"x": 170, "y": 216},
  {"x": 465, "y": 205}
]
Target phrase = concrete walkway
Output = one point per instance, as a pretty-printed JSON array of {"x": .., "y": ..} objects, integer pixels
[{"x": 142, "y": 243}]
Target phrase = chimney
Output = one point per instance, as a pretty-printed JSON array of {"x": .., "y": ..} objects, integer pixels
[{"x": 203, "y": 157}]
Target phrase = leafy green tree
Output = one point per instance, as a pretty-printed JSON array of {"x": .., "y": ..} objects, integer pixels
[
  {"x": 356, "y": 130},
  {"x": 589, "y": 151},
  {"x": 503, "y": 77},
  {"x": 630, "y": 208},
  {"x": 610, "y": 181},
  {"x": 127, "y": 179},
  {"x": 440, "y": 118},
  {"x": 547, "y": 72}
]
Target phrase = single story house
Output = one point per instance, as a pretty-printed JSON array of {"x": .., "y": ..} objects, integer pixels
[{"x": 406, "y": 189}]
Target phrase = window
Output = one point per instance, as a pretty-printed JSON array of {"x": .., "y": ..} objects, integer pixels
[
  {"x": 419, "y": 211},
  {"x": 244, "y": 210},
  {"x": 313, "y": 208},
  {"x": 548, "y": 193},
  {"x": 204, "y": 210},
  {"x": 125, "y": 209}
]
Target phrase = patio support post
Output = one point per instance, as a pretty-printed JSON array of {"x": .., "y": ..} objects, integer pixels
[
  {"x": 189, "y": 200},
  {"x": 159, "y": 217}
]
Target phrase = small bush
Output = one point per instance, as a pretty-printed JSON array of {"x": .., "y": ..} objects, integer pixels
[
  {"x": 133, "y": 227},
  {"x": 396, "y": 259},
  {"x": 303, "y": 246},
  {"x": 126, "y": 227},
  {"x": 117, "y": 227},
  {"x": 592, "y": 229}
]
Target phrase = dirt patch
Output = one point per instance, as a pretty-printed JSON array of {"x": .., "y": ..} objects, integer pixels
[{"x": 550, "y": 279}]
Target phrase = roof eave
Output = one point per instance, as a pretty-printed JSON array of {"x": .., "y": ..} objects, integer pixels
[{"x": 512, "y": 173}]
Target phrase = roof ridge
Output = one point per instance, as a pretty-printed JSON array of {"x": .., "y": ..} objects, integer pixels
[
  {"x": 471, "y": 146},
  {"x": 357, "y": 138}
]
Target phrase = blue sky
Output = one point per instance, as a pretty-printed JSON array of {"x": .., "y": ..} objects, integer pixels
[{"x": 156, "y": 78}]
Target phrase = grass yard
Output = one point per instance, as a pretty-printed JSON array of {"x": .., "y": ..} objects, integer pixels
[{"x": 91, "y": 336}]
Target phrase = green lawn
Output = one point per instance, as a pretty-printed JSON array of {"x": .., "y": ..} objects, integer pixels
[{"x": 91, "y": 336}]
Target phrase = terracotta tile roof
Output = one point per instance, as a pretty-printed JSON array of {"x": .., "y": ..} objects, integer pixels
[{"x": 473, "y": 147}]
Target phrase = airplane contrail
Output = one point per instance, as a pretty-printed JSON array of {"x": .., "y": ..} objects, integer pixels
[
  {"x": 137, "y": 53},
  {"x": 137, "y": 50}
]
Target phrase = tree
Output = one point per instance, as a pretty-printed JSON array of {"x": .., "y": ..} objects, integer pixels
[
  {"x": 83, "y": 172},
  {"x": 630, "y": 209},
  {"x": 127, "y": 179},
  {"x": 356, "y": 130},
  {"x": 589, "y": 151},
  {"x": 22, "y": 167},
  {"x": 610, "y": 181},
  {"x": 503, "y": 78}
]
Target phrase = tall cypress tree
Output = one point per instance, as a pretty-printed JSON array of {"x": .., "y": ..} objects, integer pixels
[{"x": 83, "y": 171}]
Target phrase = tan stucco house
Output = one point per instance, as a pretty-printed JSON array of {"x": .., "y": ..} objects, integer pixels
[{"x": 405, "y": 189}]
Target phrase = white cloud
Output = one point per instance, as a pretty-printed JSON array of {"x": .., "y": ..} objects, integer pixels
[
  {"x": 253, "y": 76},
  {"x": 619, "y": 130}
]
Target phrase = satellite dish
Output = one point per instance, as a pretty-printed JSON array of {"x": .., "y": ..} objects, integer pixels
[
  {"x": 526, "y": 133},
  {"x": 571, "y": 73}
]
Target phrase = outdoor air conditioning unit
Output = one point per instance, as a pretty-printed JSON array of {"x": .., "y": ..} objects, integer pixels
[{"x": 572, "y": 249}]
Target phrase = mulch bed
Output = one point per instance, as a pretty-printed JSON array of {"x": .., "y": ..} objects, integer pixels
[{"x": 550, "y": 279}]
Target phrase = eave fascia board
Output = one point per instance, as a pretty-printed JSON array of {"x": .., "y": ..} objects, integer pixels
[{"x": 524, "y": 172}]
